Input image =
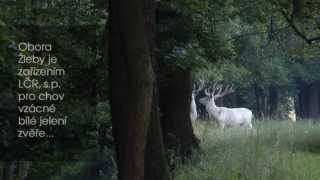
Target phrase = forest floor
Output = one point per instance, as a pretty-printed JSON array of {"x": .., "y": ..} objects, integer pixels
[{"x": 274, "y": 150}]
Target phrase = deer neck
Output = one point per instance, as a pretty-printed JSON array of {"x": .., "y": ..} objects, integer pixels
[
  {"x": 213, "y": 103},
  {"x": 193, "y": 102},
  {"x": 214, "y": 108}
]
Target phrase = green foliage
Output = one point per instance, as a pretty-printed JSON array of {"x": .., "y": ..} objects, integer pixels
[
  {"x": 7, "y": 66},
  {"x": 227, "y": 72},
  {"x": 75, "y": 29},
  {"x": 186, "y": 57},
  {"x": 94, "y": 151},
  {"x": 187, "y": 6},
  {"x": 307, "y": 71},
  {"x": 230, "y": 41},
  {"x": 199, "y": 40},
  {"x": 96, "y": 166},
  {"x": 248, "y": 44},
  {"x": 273, "y": 150}
]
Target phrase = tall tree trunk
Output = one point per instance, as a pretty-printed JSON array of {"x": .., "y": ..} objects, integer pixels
[
  {"x": 303, "y": 100},
  {"x": 273, "y": 101},
  {"x": 264, "y": 107},
  {"x": 156, "y": 164},
  {"x": 132, "y": 79},
  {"x": 314, "y": 103},
  {"x": 309, "y": 100},
  {"x": 258, "y": 94},
  {"x": 175, "y": 107}
]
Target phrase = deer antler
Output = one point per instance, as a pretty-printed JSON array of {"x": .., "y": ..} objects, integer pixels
[
  {"x": 206, "y": 92},
  {"x": 201, "y": 85},
  {"x": 211, "y": 90},
  {"x": 222, "y": 92},
  {"x": 216, "y": 90}
]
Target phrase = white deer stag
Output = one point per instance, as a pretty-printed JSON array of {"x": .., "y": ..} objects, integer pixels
[
  {"x": 193, "y": 107},
  {"x": 226, "y": 117}
]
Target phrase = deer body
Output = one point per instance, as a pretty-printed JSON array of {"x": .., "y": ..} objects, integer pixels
[
  {"x": 226, "y": 117},
  {"x": 230, "y": 117}
]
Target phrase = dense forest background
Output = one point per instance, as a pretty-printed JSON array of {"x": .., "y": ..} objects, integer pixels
[{"x": 138, "y": 60}]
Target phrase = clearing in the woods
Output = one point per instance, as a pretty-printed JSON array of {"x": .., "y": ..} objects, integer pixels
[{"x": 274, "y": 150}]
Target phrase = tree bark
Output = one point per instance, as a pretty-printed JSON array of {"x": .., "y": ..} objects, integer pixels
[
  {"x": 309, "y": 100},
  {"x": 273, "y": 102},
  {"x": 258, "y": 94},
  {"x": 303, "y": 100},
  {"x": 175, "y": 107},
  {"x": 314, "y": 101},
  {"x": 131, "y": 82},
  {"x": 156, "y": 165}
]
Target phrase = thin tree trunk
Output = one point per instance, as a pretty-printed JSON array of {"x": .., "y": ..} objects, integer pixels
[
  {"x": 132, "y": 79},
  {"x": 303, "y": 100},
  {"x": 264, "y": 107},
  {"x": 273, "y": 102},
  {"x": 258, "y": 101},
  {"x": 314, "y": 104}
]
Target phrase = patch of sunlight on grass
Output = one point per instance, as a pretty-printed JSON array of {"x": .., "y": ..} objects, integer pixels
[{"x": 273, "y": 150}]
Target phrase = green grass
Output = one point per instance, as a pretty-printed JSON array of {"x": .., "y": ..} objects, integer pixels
[{"x": 274, "y": 150}]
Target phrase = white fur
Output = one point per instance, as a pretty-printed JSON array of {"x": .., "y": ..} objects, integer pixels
[
  {"x": 193, "y": 109},
  {"x": 228, "y": 117}
]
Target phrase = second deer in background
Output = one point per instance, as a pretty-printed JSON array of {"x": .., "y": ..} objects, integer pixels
[{"x": 193, "y": 109}]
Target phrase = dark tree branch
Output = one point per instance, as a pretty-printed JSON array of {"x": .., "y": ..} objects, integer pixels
[
  {"x": 296, "y": 30},
  {"x": 256, "y": 33}
]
